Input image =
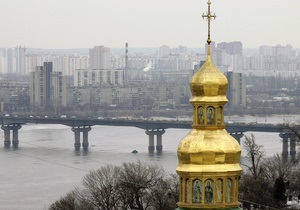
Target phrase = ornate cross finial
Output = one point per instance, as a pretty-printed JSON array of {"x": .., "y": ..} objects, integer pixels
[{"x": 208, "y": 16}]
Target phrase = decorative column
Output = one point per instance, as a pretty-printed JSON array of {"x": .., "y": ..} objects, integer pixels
[
  {"x": 285, "y": 137},
  {"x": 237, "y": 136},
  {"x": 293, "y": 147},
  {"x": 159, "y": 145}
]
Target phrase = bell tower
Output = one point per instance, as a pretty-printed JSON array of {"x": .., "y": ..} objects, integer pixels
[{"x": 208, "y": 157}]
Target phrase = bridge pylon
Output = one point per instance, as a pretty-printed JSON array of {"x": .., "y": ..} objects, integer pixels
[
  {"x": 15, "y": 137},
  {"x": 293, "y": 147},
  {"x": 158, "y": 133},
  {"x": 285, "y": 143},
  {"x": 85, "y": 140},
  {"x": 237, "y": 136}
]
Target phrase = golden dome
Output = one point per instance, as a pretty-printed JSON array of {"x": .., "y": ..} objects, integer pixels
[
  {"x": 208, "y": 83},
  {"x": 208, "y": 151}
]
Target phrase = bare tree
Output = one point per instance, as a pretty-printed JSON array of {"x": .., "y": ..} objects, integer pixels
[
  {"x": 71, "y": 202},
  {"x": 65, "y": 203},
  {"x": 261, "y": 190},
  {"x": 256, "y": 190},
  {"x": 100, "y": 188},
  {"x": 294, "y": 181},
  {"x": 173, "y": 188},
  {"x": 136, "y": 182},
  {"x": 254, "y": 155},
  {"x": 276, "y": 166},
  {"x": 268, "y": 177},
  {"x": 165, "y": 194},
  {"x": 130, "y": 186},
  {"x": 278, "y": 170}
]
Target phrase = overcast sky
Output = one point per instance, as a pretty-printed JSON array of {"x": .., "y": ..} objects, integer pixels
[{"x": 146, "y": 23}]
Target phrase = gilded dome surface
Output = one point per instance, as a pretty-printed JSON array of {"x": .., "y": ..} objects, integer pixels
[
  {"x": 208, "y": 151},
  {"x": 208, "y": 83}
]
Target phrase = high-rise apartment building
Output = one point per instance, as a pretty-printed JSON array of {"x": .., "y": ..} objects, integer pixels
[
  {"x": 20, "y": 60},
  {"x": 10, "y": 61},
  {"x": 58, "y": 90},
  {"x": 277, "y": 50},
  {"x": 13, "y": 60},
  {"x": 236, "y": 93},
  {"x": 182, "y": 49},
  {"x": 47, "y": 88},
  {"x": 232, "y": 48},
  {"x": 99, "y": 58},
  {"x": 96, "y": 77},
  {"x": 163, "y": 51}
]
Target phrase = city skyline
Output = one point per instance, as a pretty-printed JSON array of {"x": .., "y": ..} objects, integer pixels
[{"x": 82, "y": 24}]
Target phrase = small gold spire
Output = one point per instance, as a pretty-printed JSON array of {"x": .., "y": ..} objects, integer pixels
[{"x": 208, "y": 17}]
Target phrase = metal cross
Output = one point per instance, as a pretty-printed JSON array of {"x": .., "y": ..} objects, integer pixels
[{"x": 208, "y": 16}]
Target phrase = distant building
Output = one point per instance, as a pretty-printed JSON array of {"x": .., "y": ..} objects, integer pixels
[
  {"x": 99, "y": 58},
  {"x": 9, "y": 61},
  {"x": 96, "y": 77},
  {"x": 13, "y": 96},
  {"x": 58, "y": 90},
  {"x": 182, "y": 49},
  {"x": 140, "y": 95},
  {"x": 277, "y": 50},
  {"x": 12, "y": 60},
  {"x": 20, "y": 53},
  {"x": 47, "y": 88},
  {"x": 163, "y": 51},
  {"x": 232, "y": 48},
  {"x": 236, "y": 93}
]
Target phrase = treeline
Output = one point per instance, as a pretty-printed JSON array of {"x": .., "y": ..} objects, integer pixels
[
  {"x": 267, "y": 181},
  {"x": 129, "y": 186}
]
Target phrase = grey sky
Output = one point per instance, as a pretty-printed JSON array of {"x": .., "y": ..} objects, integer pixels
[{"x": 146, "y": 23}]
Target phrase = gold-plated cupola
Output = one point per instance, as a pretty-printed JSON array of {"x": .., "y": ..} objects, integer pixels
[
  {"x": 208, "y": 157},
  {"x": 208, "y": 87}
]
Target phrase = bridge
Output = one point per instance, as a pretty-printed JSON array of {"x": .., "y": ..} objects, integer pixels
[{"x": 151, "y": 128}]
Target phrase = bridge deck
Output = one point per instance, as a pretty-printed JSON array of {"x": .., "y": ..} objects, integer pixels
[{"x": 143, "y": 124}]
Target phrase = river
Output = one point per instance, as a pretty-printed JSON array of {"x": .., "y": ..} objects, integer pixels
[{"x": 46, "y": 167}]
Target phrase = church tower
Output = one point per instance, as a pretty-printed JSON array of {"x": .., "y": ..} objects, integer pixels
[{"x": 208, "y": 157}]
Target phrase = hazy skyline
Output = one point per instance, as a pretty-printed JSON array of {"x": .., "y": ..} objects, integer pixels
[{"x": 145, "y": 23}]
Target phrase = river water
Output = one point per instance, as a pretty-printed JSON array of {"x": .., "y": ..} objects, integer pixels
[{"x": 46, "y": 167}]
